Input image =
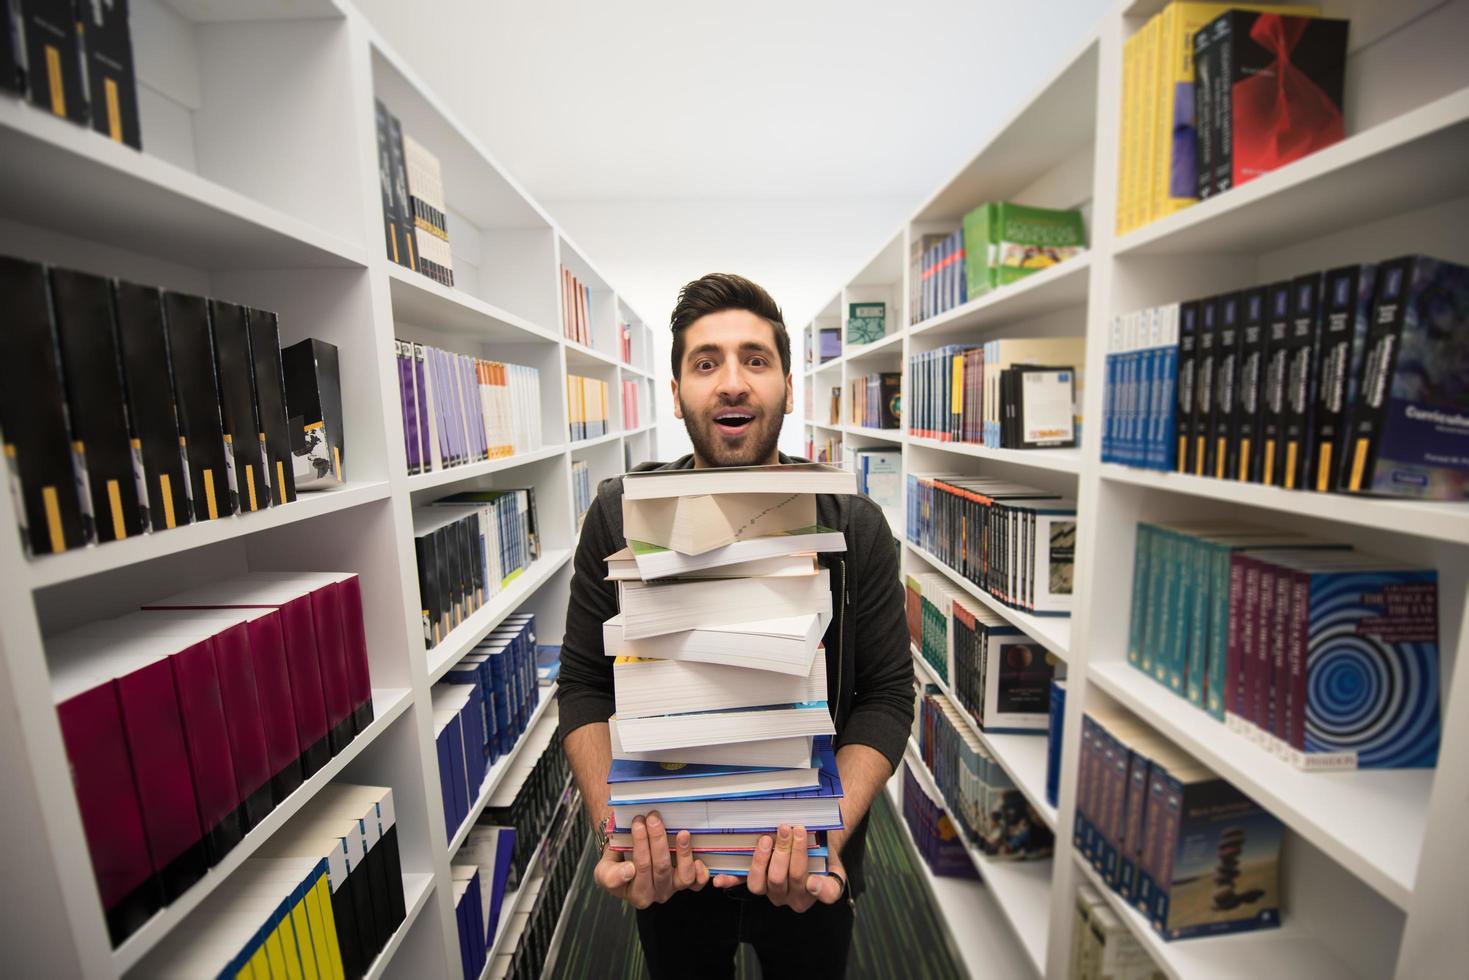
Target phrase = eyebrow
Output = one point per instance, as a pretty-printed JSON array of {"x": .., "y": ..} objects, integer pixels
[{"x": 749, "y": 346}]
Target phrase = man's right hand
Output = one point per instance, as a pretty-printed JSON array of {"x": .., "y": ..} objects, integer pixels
[{"x": 656, "y": 871}]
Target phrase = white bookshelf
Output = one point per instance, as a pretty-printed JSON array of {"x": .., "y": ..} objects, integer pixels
[
  {"x": 1373, "y": 860},
  {"x": 259, "y": 183}
]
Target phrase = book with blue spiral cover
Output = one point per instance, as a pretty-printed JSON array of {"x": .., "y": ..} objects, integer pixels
[{"x": 1364, "y": 669}]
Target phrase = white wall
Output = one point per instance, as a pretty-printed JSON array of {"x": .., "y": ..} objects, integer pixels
[{"x": 800, "y": 252}]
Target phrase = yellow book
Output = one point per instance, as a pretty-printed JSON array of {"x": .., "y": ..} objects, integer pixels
[
  {"x": 258, "y": 964},
  {"x": 1127, "y": 142},
  {"x": 305, "y": 942},
  {"x": 289, "y": 950},
  {"x": 328, "y": 950},
  {"x": 1148, "y": 123},
  {"x": 1175, "y": 161}
]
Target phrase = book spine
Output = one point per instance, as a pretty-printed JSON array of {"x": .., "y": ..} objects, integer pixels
[
  {"x": 1261, "y": 666},
  {"x": 1202, "y": 430},
  {"x": 1379, "y": 364},
  {"x": 278, "y": 704},
  {"x": 385, "y": 182},
  {"x": 239, "y": 695},
  {"x": 354, "y": 637},
  {"x": 1224, "y": 106},
  {"x": 1226, "y": 388},
  {"x": 201, "y": 427},
  {"x": 270, "y": 400},
  {"x": 307, "y": 690},
  {"x": 1196, "y": 671},
  {"x": 1141, "y": 574},
  {"x": 237, "y": 402},
  {"x": 1181, "y": 630},
  {"x": 1275, "y": 357},
  {"x": 1300, "y": 375},
  {"x": 1206, "y": 82}
]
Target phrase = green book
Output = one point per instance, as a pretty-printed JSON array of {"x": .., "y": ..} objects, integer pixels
[
  {"x": 1141, "y": 566},
  {"x": 866, "y": 322},
  {"x": 1004, "y": 243}
]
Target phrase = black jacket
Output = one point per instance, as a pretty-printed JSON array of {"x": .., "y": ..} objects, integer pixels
[{"x": 869, "y": 671}]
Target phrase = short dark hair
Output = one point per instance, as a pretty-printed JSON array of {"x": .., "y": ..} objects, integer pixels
[{"x": 719, "y": 291}]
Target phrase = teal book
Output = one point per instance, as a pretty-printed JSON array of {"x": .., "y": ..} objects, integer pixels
[
  {"x": 1141, "y": 570},
  {"x": 866, "y": 322}
]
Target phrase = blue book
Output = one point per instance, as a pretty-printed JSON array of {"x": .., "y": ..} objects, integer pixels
[
  {"x": 1054, "y": 730},
  {"x": 458, "y": 785},
  {"x": 472, "y": 722},
  {"x": 446, "y": 784},
  {"x": 500, "y": 876}
]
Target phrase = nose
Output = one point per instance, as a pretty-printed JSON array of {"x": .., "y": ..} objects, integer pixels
[{"x": 732, "y": 384}]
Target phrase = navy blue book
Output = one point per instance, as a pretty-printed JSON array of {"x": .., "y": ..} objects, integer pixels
[{"x": 1053, "y": 741}]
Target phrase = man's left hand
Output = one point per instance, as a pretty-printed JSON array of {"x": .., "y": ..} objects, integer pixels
[{"x": 779, "y": 872}]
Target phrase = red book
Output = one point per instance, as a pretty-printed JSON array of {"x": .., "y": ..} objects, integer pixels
[
  {"x": 201, "y": 706},
  {"x": 107, "y": 795},
  {"x": 298, "y": 632},
  {"x": 153, "y": 731},
  {"x": 244, "y": 721}
]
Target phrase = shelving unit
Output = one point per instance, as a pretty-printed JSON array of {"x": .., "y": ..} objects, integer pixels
[
  {"x": 261, "y": 185},
  {"x": 1373, "y": 859}
]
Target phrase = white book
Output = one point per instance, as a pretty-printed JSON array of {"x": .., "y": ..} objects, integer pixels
[
  {"x": 786, "y": 645},
  {"x": 654, "y": 608},
  {"x": 805, "y": 478},
  {"x": 657, "y": 561},
  {"x": 623, "y": 567},
  {"x": 646, "y": 791},
  {"x": 791, "y": 752},
  {"x": 693, "y": 525},
  {"x": 662, "y": 733},
  {"x": 739, "y": 814},
  {"x": 646, "y": 687}
]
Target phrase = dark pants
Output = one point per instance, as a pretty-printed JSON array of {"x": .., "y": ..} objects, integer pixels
[{"x": 695, "y": 934}]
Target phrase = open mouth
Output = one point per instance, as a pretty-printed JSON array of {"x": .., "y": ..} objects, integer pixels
[{"x": 733, "y": 422}]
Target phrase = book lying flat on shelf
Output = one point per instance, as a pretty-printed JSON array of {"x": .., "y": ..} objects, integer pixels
[
  {"x": 652, "y": 687},
  {"x": 700, "y": 728},
  {"x": 783, "y": 645},
  {"x": 655, "y": 561},
  {"x": 654, "y": 608}
]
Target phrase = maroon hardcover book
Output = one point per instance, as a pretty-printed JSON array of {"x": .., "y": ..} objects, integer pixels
[
  {"x": 278, "y": 711},
  {"x": 359, "y": 675},
  {"x": 1244, "y": 584},
  {"x": 1259, "y": 667},
  {"x": 107, "y": 796},
  {"x": 326, "y": 614},
  {"x": 201, "y": 706}
]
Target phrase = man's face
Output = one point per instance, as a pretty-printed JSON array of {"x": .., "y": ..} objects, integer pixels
[{"x": 732, "y": 392}]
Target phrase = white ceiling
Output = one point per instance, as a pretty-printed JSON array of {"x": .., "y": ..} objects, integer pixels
[{"x": 761, "y": 99}]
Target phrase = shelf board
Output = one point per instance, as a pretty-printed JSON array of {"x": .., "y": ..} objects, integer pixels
[
  {"x": 639, "y": 430},
  {"x": 886, "y": 345},
  {"x": 986, "y": 948},
  {"x": 419, "y": 300},
  {"x": 1061, "y": 286},
  {"x": 594, "y": 441},
  {"x": 1342, "y": 813},
  {"x": 457, "y": 474},
  {"x": 545, "y": 697},
  {"x": 583, "y": 356},
  {"x": 1023, "y": 757},
  {"x": 1410, "y": 161},
  {"x": 50, "y": 570},
  {"x": 416, "y": 889},
  {"x": 462, "y": 638},
  {"x": 1283, "y": 952},
  {"x": 1022, "y": 888},
  {"x": 635, "y": 370},
  {"x": 387, "y": 705},
  {"x": 1051, "y": 632},
  {"x": 871, "y": 432},
  {"x": 1441, "y": 521},
  {"x": 1056, "y": 460},
  {"x": 67, "y": 178},
  {"x": 824, "y": 366}
]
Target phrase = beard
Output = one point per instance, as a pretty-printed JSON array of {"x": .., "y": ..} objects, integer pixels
[{"x": 753, "y": 448}]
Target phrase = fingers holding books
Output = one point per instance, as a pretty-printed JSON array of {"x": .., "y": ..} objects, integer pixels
[
  {"x": 780, "y": 871},
  {"x": 689, "y": 872},
  {"x": 655, "y": 869}
]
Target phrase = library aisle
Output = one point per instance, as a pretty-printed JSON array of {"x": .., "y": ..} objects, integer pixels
[{"x": 306, "y": 398}]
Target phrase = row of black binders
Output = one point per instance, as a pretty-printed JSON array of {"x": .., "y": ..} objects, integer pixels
[
  {"x": 321, "y": 898},
  {"x": 187, "y": 722},
  {"x": 126, "y": 409}
]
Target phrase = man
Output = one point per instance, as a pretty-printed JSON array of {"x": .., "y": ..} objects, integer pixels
[{"x": 731, "y": 387}]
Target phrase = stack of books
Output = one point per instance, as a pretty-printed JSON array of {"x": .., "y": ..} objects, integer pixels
[
  {"x": 127, "y": 409},
  {"x": 1019, "y": 393},
  {"x": 1286, "y": 637},
  {"x": 1102, "y": 947},
  {"x": 1345, "y": 380},
  {"x": 1183, "y": 846},
  {"x": 721, "y": 720}
]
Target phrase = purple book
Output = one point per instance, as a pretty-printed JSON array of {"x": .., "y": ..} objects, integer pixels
[
  {"x": 469, "y": 389},
  {"x": 421, "y": 407},
  {"x": 405, "y": 401}
]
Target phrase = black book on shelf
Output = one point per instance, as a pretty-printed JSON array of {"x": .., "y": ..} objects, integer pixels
[
  {"x": 1202, "y": 426},
  {"x": 385, "y": 182},
  {"x": 1207, "y": 79},
  {"x": 113, "y": 473},
  {"x": 1274, "y": 359},
  {"x": 1300, "y": 376},
  {"x": 53, "y": 58},
  {"x": 443, "y": 565},
  {"x": 1183, "y": 392},
  {"x": 314, "y": 408},
  {"x": 1224, "y": 416},
  {"x": 1040, "y": 406},
  {"x": 148, "y": 380},
  {"x": 52, "y": 513},
  {"x": 428, "y": 589},
  {"x": 1249, "y": 363},
  {"x": 402, "y": 207},
  {"x": 270, "y": 402},
  {"x": 1346, "y": 311},
  {"x": 237, "y": 404},
  {"x": 11, "y": 77},
  {"x": 108, "y": 46},
  {"x": 890, "y": 399},
  {"x": 197, "y": 394}
]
